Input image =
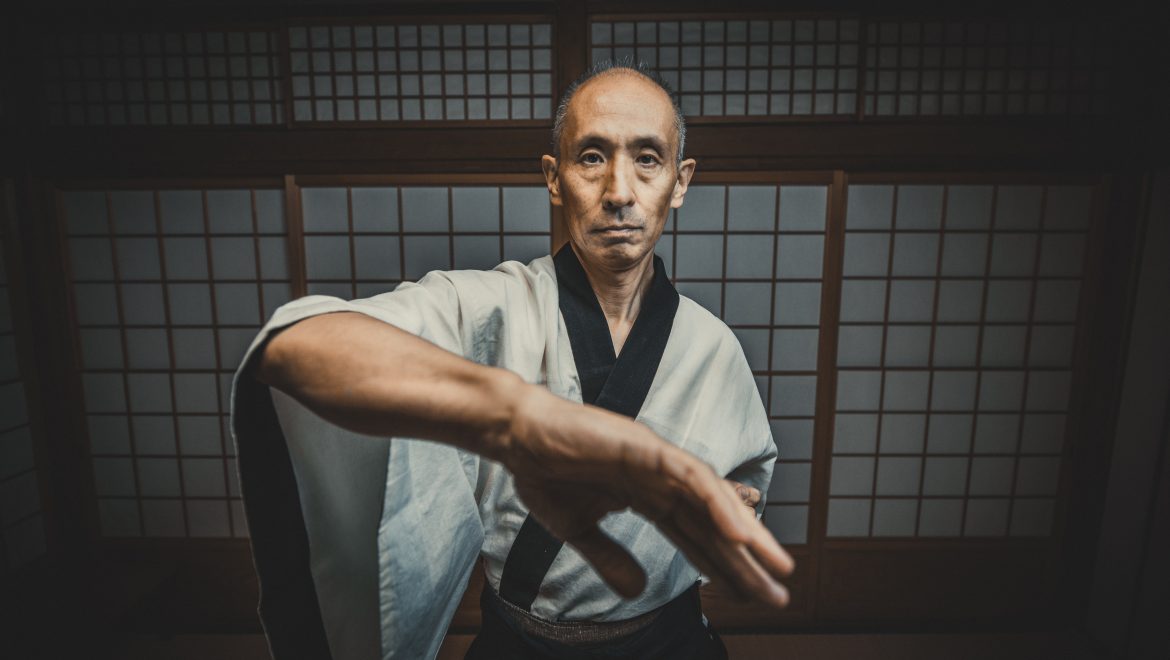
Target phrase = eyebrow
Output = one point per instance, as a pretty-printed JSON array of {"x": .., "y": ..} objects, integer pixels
[{"x": 652, "y": 141}]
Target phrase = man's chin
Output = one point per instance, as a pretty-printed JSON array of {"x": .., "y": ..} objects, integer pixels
[{"x": 619, "y": 255}]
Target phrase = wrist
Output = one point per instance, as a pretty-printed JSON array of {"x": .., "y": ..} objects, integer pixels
[{"x": 509, "y": 393}]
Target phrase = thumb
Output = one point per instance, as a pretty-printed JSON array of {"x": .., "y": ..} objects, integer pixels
[{"x": 616, "y": 566}]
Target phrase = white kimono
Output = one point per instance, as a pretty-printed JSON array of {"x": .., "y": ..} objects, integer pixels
[{"x": 377, "y": 555}]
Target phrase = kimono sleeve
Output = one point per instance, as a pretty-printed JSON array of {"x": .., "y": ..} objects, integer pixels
[
  {"x": 334, "y": 554},
  {"x": 755, "y": 430},
  {"x": 429, "y": 308}
]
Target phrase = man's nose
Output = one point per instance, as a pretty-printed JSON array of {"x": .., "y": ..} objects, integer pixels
[{"x": 619, "y": 191}]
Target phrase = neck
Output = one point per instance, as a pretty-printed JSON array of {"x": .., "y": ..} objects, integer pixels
[{"x": 620, "y": 293}]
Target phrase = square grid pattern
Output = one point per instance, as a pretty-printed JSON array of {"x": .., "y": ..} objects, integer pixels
[
  {"x": 163, "y": 78},
  {"x": 22, "y": 531},
  {"x": 746, "y": 67},
  {"x": 919, "y": 69},
  {"x": 753, "y": 256},
  {"x": 956, "y": 339},
  {"x": 362, "y": 241},
  {"x": 169, "y": 289},
  {"x": 421, "y": 72}
]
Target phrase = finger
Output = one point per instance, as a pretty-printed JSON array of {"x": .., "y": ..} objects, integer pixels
[
  {"x": 616, "y": 566},
  {"x": 698, "y": 538},
  {"x": 764, "y": 586},
  {"x": 744, "y": 573},
  {"x": 770, "y": 554},
  {"x": 703, "y": 490},
  {"x": 730, "y": 550},
  {"x": 716, "y": 570},
  {"x": 711, "y": 499},
  {"x": 712, "y": 517},
  {"x": 764, "y": 546},
  {"x": 748, "y": 495},
  {"x": 766, "y": 549},
  {"x": 660, "y": 507},
  {"x": 749, "y": 532},
  {"x": 697, "y": 553}
]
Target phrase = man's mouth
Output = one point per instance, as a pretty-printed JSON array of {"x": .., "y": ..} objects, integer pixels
[{"x": 619, "y": 229}]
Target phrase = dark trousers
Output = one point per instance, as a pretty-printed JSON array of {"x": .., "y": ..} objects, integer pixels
[{"x": 677, "y": 633}]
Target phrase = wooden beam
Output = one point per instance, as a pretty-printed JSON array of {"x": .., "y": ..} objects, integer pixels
[{"x": 1090, "y": 145}]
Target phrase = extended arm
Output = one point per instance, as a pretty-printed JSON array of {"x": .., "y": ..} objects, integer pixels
[{"x": 572, "y": 463}]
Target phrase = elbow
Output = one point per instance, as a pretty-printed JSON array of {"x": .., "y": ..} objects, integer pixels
[
  {"x": 294, "y": 351},
  {"x": 270, "y": 366}
]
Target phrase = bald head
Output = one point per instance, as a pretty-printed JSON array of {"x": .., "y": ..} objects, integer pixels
[{"x": 655, "y": 93}]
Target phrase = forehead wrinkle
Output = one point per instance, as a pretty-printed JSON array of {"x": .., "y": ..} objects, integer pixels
[{"x": 608, "y": 104}]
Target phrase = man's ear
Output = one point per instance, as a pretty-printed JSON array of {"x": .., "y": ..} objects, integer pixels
[
  {"x": 549, "y": 165},
  {"x": 686, "y": 170}
]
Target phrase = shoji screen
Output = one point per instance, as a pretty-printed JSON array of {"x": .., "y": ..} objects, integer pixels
[
  {"x": 169, "y": 287},
  {"x": 954, "y": 359},
  {"x": 364, "y": 240},
  {"x": 490, "y": 69},
  {"x": 412, "y": 72},
  {"x": 741, "y": 67},
  {"x": 959, "y": 361},
  {"x": 22, "y": 531},
  {"x": 156, "y": 78},
  {"x": 834, "y": 67},
  {"x": 939, "y": 412},
  {"x": 995, "y": 67}
]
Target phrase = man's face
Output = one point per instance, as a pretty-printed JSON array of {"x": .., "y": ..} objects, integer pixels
[{"x": 616, "y": 177}]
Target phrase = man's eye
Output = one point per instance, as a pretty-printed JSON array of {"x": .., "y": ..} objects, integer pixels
[
  {"x": 591, "y": 158},
  {"x": 647, "y": 159}
]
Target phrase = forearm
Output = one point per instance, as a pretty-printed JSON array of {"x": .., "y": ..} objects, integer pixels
[{"x": 371, "y": 377}]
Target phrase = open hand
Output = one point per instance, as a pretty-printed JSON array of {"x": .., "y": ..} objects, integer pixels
[{"x": 573, "y": 464}]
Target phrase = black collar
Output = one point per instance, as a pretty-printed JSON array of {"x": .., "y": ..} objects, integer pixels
[{"x": 617, "y": 383}]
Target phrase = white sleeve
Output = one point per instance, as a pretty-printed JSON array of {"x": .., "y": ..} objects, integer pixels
[
  {"x": 428, "y": 308},
  {"x": 756, "y": 470},
  {"x": 356, "y": 527}
]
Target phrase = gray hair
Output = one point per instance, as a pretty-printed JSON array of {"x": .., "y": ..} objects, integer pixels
[{"x": 622, "y": 64}]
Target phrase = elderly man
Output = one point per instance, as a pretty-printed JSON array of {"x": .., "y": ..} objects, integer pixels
[{"x": 495, "y": 367}]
